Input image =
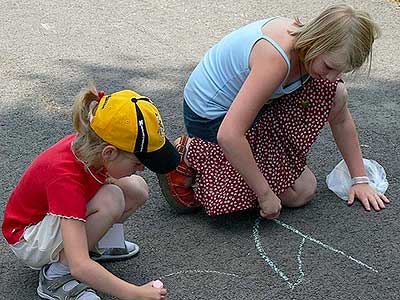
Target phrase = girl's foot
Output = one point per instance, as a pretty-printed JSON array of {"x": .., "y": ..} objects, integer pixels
[
  {"x": 59, "y": 284},
  {"x": 115, "y": 254},
  {"x": 176, "y": 186}
]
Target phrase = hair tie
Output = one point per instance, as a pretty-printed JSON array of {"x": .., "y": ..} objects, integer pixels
[{"x": 100, "y": 95}]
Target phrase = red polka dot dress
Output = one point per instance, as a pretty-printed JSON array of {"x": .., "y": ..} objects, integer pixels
[{"x": 280, "y": 141}]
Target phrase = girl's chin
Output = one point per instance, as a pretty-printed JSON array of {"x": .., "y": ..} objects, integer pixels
[{"x": 315, "y": 76}]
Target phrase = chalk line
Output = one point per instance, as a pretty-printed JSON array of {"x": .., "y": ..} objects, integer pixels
[
  {"x": 274, "y": 267},
  {"x": 48, "y": 27},
  {"x": 300, "y": 263},
  {"x": 199, "y": 272},
  {"x": 325, "y": 245}
]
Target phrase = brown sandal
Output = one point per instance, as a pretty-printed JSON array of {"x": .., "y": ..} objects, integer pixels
[{"x": 172, "y": 184}]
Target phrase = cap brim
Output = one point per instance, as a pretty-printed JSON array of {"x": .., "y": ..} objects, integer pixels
[{"x": 162, "y": 161}]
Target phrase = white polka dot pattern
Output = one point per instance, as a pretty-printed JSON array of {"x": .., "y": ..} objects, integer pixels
[{"x": 280, "y": 141}]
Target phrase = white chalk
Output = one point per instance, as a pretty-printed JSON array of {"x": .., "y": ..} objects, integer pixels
[
  {"x": 158, "y": 284},
  {"x": 275, "y": 268}
]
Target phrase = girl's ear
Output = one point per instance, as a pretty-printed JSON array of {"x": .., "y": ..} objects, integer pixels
[{"x": 109, "y": 153}]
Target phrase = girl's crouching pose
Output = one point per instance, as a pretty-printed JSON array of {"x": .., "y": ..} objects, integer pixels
[{"x": 73, "y": 192}]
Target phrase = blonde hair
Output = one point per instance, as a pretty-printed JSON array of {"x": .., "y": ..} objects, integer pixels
[
  {"x": 338, "y": 29},
  {"x": 87, "y": 144}
]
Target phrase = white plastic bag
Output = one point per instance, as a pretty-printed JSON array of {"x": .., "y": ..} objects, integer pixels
[{"x": 339, "y": 180}]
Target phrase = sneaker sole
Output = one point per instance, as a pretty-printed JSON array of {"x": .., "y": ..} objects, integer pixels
[
  {"x": 110, "y": 258},
  {"x": 162, "y": 180},
  {"x": 43, "y": 295}
]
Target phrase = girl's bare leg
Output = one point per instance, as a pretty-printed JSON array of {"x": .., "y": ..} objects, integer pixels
[
  {"x": 301, "y": 192},
  {"x": 112, "y": 204}
]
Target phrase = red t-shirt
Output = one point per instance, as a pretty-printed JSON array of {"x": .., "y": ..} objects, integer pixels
[{"x": 55, "y": 183}]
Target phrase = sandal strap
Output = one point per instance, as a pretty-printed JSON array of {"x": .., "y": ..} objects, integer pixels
[
  {"x": 183, "y": 168},
  {"x": 74, "y": 292},
  {"x": 81, "y": 287},
  {"x": 54, "y": 288},
  {"x": 181, "y": 145},
  {"x": 59, "y": 282}
]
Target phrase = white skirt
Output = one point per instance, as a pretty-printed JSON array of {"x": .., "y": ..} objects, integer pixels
[{"x": 41, "y": 243}]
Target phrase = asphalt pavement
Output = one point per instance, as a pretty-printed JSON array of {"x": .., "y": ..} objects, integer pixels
[{"x": 49, "y": 50}]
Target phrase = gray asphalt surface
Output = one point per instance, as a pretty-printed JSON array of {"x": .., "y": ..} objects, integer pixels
[{"x": 49, "y": 50}]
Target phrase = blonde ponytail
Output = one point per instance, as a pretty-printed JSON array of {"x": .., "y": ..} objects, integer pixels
[
  {"x": 84, "y": 103},
  {"x": 87, "y": 144}
]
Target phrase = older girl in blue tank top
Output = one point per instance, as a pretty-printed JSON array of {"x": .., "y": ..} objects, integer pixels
[{"x": 246, "y": 155}]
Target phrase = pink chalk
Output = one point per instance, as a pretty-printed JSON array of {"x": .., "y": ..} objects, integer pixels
[{"x": 158, "y": 284}]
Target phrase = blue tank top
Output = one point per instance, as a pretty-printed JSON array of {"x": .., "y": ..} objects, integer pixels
[{"x": 216, "y": 80}]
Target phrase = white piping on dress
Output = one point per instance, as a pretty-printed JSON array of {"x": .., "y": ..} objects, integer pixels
[{"x": 66, "y": 217}]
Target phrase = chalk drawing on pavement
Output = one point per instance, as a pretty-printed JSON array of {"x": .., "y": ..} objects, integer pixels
[
  {"x": 292, "y": 283},
  {"x": 304, "y": 237}
]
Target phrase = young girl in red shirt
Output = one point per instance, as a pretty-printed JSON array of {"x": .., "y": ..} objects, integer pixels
[{"x": 73, "y": 192}]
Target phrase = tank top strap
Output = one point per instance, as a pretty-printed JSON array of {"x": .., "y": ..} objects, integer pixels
[{"x": 275, "y": 44}]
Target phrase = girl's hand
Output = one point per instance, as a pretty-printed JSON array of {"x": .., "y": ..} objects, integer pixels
[
  {"x": 148, "y": 292},
  {"x": 270, "y": 205},
  {"x": 367, "y": 196}
]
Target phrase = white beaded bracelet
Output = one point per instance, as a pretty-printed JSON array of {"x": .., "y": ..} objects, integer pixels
[{"x": 359, "y": 180}]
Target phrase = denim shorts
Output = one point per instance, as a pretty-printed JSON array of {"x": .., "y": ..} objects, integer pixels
[
  {"x": 203, "y": 128},
  {"x": 200, "y": 127}
]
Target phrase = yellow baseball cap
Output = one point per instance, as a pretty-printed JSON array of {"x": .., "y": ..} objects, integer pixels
[{"x": 132, "y": 123}]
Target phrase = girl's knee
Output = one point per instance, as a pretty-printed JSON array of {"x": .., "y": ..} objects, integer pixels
[
  {"x": 308, "y": 194},
  {"x": 301, "y": 193},
  {"x": 291, "y": 198},
  {"x": 136, "y": 191},
  {"x": 109, "y": 200}
]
